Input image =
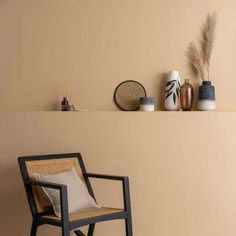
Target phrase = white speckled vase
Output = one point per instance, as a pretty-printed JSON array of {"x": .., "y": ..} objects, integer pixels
[{"x": 172, "y": 93}]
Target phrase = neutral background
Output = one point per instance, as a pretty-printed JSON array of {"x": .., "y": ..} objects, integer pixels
[
  {"x": 181, "y": 165},
  {"x": 96, "y": 44}
]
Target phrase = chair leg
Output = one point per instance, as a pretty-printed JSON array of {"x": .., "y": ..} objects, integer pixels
[
  {"x": 34, "y": 228},
  {"x": 128, "y": 226},
  {"x": 91, "y": 229},
  {"x": 65, "y": 231}
]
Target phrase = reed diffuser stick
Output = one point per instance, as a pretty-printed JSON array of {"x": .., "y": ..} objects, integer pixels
[{"x": 65, "y": 88}]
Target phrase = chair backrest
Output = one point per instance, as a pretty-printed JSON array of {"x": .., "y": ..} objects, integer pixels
[{"x": 48, "y": 164}]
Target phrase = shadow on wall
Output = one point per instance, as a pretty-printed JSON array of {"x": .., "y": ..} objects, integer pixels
[{"x": 161, "y": 80}]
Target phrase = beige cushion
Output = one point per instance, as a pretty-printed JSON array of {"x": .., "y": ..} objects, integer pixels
[
  {"x": 50, "y": 166},
  {"x": 78, "y": 196}
]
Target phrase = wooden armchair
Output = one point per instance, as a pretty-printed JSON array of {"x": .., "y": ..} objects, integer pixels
[{"x": 41, "y": 210}]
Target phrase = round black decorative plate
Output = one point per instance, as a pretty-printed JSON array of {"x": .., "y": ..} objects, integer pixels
[{"x": 127, "y": 95}]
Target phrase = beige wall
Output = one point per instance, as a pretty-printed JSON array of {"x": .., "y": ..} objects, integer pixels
[
  {"x": 181, "y": 167},
  {"x": 96, "y": 44}
]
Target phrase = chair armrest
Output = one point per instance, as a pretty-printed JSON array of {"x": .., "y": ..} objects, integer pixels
[
  {"x": 108, "y": 177},
  {"x": 63, "y": 195},
  {"x": 125, "y": 185},
  {"x": 44, "y": 184}
]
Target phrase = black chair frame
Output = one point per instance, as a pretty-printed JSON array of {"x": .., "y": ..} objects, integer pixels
[{"x": 64, "y": 222}]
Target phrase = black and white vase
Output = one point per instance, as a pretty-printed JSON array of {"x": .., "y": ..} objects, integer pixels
[
  {"x": 206, "y": 97},
  {"x": 172, "y": 93}
]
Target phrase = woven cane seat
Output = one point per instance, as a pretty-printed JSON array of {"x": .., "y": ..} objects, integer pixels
[{"x": 87, "y": 214}]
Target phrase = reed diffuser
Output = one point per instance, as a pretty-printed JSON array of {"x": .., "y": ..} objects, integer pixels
[{"x": 65, "y": 102}]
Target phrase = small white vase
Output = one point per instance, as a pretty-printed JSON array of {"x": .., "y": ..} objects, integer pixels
[{"x": 172, "y": 93}]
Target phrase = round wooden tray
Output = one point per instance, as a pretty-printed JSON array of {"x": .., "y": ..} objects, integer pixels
[{"x": 127, "y": 95}]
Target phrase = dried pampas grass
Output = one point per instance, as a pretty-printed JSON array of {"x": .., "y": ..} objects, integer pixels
[
  {"x": 208, "y": 38},
  {"x": 199, "y": 59},
  {"x": 195, "y": 60}
]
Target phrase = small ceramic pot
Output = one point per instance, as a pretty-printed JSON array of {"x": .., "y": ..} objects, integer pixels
[
  {"x": 70, "y": 108},
  {"x": 206, "y": 97},
  {"x": 147, "y": 104}
]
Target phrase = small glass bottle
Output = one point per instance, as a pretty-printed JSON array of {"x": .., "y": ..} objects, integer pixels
[
  {"x": 186, "y": 96},
  {"x": 64, "y": 104}
]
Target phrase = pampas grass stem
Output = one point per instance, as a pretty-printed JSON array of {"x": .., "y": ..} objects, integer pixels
[{"x": 199, "y": 59}]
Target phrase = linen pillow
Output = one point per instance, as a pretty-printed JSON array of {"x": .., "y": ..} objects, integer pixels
[{"x": 79, "y": 198}]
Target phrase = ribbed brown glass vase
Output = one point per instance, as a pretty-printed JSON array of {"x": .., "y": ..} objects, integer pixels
[{"x": 186, "y": 96}]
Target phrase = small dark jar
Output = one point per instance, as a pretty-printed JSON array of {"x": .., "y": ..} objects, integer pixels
[{"x": 147, "y": 104}]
